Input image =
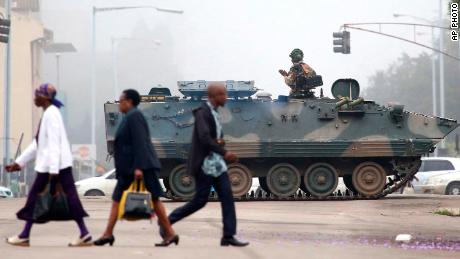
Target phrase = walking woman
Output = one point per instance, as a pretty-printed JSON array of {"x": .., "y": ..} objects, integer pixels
[
  {"x": 53, "y": 163},
  {"x": 135, "y": 158}
]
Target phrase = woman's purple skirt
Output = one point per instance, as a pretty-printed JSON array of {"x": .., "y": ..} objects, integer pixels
[{"x": 68, "y": 185}]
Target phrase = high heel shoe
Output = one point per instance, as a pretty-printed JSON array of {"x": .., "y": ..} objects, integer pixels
[
  {"x": 165, "y": 242},
  {"x": 104, "y": 240}
]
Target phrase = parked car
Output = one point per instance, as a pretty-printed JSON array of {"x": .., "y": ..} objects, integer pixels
[
  {"x": 5, "y": 192},
  {"x": 97, "y": 186},
  {"x": 102, "y": 185},
  {"x": 448, "y": 183},
  {"x": 438, "y": 175}
]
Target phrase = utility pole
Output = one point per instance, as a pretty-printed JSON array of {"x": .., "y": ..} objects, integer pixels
[
  {"x": 115, "y": 68},
  {"x": 96, "y": 10},
  {"x": 441, "y": 68},
  {"x": 58, "y": 72},
  {"x": 93, "y": 93},
  {"x": 6, "y": 96},
  {"x": 433, "y": 75},
  {"x": 58, "y": 49}
]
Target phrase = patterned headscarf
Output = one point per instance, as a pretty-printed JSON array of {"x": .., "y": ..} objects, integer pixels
[{"x": 48, "y": 91}]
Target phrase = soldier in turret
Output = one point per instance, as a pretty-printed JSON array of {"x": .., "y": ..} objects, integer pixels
[{"x": 297, "y": 76}]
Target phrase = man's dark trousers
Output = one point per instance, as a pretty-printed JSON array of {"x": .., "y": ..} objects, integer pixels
[{"x": 203, "y": 188}]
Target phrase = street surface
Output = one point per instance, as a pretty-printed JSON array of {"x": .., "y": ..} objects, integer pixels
[{"x": 297, "y": 229}]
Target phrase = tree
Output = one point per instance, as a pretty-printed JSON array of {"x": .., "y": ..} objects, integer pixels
[{"x": 407, "y": 81}]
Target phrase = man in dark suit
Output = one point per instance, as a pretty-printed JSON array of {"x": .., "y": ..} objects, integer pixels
[
  {"x": 136, "y": 159},
  {"x": 205, "y": 141}
]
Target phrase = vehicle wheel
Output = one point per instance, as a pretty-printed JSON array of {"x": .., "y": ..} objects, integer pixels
[
  {"x": 283, "y": 180},
  {"x": 369, "y": 178},
  {"x": 348, "y": 181},
  {"x": 240, "y": 179},
  {"x": 321, "y": 179},
  {"x": 181, "y": 182},
  {"x": 94, "y": 192},
  {"x": 453, "y": 188},
  {"x": 263, "y": 184}
]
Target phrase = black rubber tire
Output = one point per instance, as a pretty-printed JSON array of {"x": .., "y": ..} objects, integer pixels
[
  {"x": 349, "y": 183},
  {"x": 176, "y": 188},
  {"x": 451, "y": 187},
  {"x": 374, "y": 170},
  {"x": 243, "y": 174},
  {"x": 309, "y": 179},
  {"x": 94, "y": 192},
  {"x": 274, "y": 180}
]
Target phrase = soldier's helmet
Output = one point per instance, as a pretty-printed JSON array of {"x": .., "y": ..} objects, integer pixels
[{"x": 296, "y": 55}]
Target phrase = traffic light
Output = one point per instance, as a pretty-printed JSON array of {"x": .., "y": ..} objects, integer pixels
[
  {"x": 341, "y": 42},
  {"x": 4, "y": 30}
]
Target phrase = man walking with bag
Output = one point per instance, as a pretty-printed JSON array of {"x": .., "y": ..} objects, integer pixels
[{"x": 206, "y": 163}]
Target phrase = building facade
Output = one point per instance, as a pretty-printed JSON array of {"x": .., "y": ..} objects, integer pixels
[{"x": 27, "y": 38}]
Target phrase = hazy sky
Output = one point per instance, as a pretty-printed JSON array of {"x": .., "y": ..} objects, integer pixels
[{"x": 251, "y": 39}]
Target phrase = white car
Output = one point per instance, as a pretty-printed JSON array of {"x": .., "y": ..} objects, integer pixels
[
  {"x": 448, "y": 183},
  {"x": 5, "y": 192},
  {"x": 437, "y": 175},
  {"x": 97, "y": 186},
  {"x": 100, "y": 185}
]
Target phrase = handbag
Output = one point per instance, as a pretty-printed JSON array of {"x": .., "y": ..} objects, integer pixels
[
  {"x": 136, "y": 203},
  {"x": 51, "y": 207},
  {"x": 42, "y": 206},
  {"x": 59, "y": 210}
]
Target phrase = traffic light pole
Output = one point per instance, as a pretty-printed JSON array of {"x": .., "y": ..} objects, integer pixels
[
  {"x": 352, "y": 26},
  {"x": 6, "y": 96},
  {"x": 440, "y": 51}
]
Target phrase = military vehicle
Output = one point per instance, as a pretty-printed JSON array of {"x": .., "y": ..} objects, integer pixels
[{"x": 299, "y": 141}]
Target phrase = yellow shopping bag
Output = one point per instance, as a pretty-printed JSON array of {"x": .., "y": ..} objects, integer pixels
[{"x": 136, "y": 202}]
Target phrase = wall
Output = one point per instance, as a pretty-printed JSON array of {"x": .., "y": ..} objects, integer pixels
[{"x": 25, "y": 74}]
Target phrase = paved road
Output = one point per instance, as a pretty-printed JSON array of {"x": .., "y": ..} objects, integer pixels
[{"x": 328, "y": 229}]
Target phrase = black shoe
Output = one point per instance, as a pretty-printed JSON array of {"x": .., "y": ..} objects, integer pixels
[
  {"x": 231, "y": 241},
  {"x": 104, "y": 240},
  {"x": 174, "y": 239}
]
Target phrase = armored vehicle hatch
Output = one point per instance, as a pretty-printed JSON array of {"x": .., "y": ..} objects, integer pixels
[{"x": 235, "y": 89}]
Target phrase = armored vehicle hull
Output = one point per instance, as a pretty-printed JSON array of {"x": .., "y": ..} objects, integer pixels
[{"x": 297, "y": 143}]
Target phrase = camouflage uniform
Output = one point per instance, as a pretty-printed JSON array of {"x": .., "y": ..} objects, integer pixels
[{"x": 298, "y": 72}]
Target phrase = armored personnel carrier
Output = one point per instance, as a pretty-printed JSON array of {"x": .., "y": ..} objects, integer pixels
[{"x": 293, "y": 142}]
